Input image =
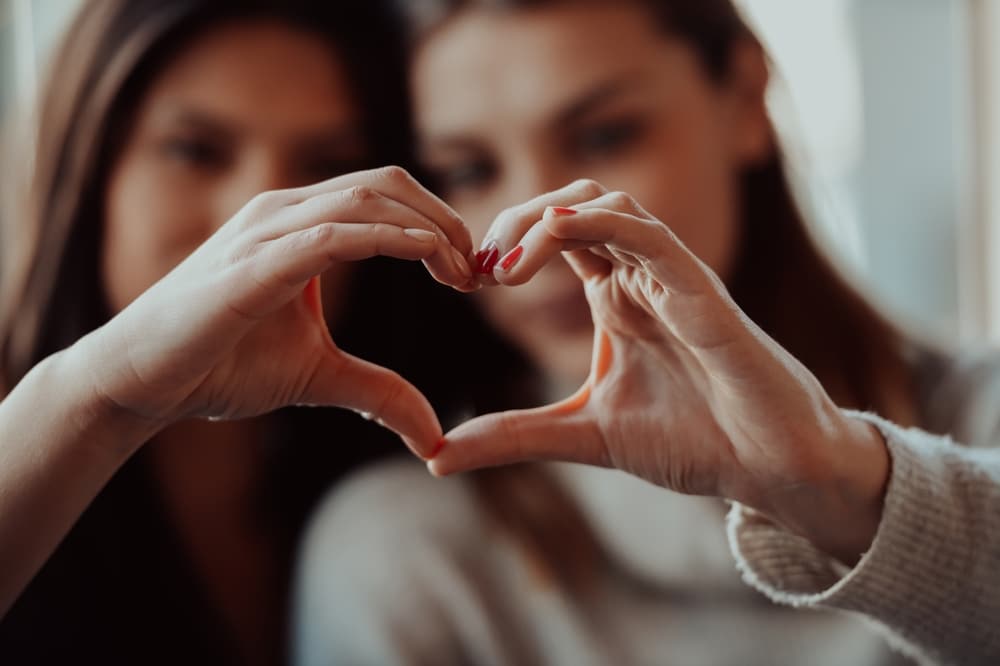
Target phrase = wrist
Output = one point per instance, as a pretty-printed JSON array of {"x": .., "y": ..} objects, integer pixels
[
  {"x": 78, "y": 370},
  {"x": 837, "y": 503}
]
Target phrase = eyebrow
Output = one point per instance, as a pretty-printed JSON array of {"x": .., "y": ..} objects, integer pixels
[
  {"x": 594, "y": 98},
  {"x": 189, "y": 117},
  {"x": 332, "y": 137},
  {"x": 570, "y": 114}
]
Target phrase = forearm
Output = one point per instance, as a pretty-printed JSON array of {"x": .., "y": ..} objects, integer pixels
[
  {"x": 59, "y": 444},
  {"x": 930, "y": 573}
]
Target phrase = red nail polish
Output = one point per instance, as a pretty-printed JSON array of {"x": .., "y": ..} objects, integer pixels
[
  {"x": 511, "y": 258},
  {"x": 437, "y": 449},
  {"x": 487, "y": 258},
  {"x": 558, "y": 210}
]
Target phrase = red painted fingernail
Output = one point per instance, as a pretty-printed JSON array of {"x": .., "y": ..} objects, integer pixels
[
  {"x": 437, "y": 449},
  {"x": 558, "y": 210},
  {"x": 487, "y": 258},
  {"x": 511, "y": 258}
]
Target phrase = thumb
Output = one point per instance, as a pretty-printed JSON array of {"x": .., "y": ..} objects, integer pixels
[
  {"x": 544, "y": 433},
  {"x": 343, "y": 380}
]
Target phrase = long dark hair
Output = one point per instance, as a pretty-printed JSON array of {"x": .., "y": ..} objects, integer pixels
[
  {"x": 51, "y": 295},
  {"x": 782, "y": 280}
]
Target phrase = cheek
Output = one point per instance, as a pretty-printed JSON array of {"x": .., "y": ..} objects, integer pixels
[
  {"x": 690, "y": 185},
  {"x": 150, "y": 226}
]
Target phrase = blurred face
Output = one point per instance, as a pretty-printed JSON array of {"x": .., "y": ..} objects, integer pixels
[
  {"x": 513, "y": 104},
  {"x": 247, "y": 107}
]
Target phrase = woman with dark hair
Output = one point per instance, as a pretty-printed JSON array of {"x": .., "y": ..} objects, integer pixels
[
  {"x": 727, "y": 347},
  {"x": 161, "y": 120}
]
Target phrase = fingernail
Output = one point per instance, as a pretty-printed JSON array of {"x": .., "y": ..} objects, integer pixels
[
  {"x": 461, "y": 264},
  {"x": 487, "y": 258},
  {"x": 511, "y": 258},
  {"x": 421, "y": 235},
  {"x": 437, "y": 449},
  {"x": 559, "y": 210}
]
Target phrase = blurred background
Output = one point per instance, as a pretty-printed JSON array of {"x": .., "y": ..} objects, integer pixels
[{"x": 889, "y": 111}]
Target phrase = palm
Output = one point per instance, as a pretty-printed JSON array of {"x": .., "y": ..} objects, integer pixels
[
  {"x": 685, "y": 391},
  {"x": 657, "y": 393},
  {"x": 230, "y": 333}
]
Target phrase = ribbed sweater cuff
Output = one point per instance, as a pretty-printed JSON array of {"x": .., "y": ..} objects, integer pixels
[{"x": 924, "y": 573}]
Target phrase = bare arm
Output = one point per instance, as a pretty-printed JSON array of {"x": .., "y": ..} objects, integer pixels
[
  {"x": 234, "y": 331},
  {"x": 59, "y": 444}
]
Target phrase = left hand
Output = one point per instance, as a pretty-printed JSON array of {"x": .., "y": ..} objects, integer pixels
[{"x": 684, "y": 391}]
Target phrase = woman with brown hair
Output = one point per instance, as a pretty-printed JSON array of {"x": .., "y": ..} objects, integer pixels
[
  {"x": 144, "y": 294},
  {"x": 726, "y": 347}
]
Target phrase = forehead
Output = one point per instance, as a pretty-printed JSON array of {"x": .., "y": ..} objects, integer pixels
[
  {"x": 519, "y": 63},
  {"x": 262, "y": 70}
]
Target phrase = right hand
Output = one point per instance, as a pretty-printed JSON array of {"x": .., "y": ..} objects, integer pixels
[
  {"x": 237, "y": 329},
  {"x": 685, "y": 390}
]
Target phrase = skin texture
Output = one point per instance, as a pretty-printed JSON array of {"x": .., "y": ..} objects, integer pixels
[
  {"x": 513, "y": 104},
  {"x": 695, "y": 397},
  {"x": 246, "y": 108},
  {"x": 209, "y": 280},
  {"x": 684, "y": 390}
]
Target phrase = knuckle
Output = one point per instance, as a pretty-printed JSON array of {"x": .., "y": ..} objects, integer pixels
[
  {"x": 622, "y": 201},
  {"x": 394, "y": 174},
  {"x": 321, "y": 233},
  {"x": 259, "y": 208},
  {"x": 589, "y": 187},
  {"x": 261, "y": 204},
  {"x": 359, "y": 194}
]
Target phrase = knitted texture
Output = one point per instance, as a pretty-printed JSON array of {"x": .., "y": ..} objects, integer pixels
[{"x": 932, "y": 575}]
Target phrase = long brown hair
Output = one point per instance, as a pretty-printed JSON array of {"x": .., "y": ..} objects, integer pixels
[
  {"x": 50, "y": 294},
  {"x": 782, "y": 280}
]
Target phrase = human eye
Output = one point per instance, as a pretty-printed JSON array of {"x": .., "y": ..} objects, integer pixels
[
  {"x": 462, "y": 177},
  {"x": 605, "y": 139},
  {"x": 196, "y": 152}
]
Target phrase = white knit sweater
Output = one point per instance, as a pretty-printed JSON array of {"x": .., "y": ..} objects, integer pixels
[
  {"x": 932, "y": 575},
  {"x": 401, "y": 568}
]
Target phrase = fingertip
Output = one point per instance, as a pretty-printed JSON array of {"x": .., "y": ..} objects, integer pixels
[
  {"x": 438, "y": 447},
  {"x": 422, "y": 235}
]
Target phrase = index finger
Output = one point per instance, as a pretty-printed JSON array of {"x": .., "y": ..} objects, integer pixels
[
  {"x": 396, "y": 183},
  {"x": 511, "y": 225}
]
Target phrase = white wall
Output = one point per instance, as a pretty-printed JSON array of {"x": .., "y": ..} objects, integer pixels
[
  {"x": 986, "y": 19},
  {"x": 883, "y": 92}
]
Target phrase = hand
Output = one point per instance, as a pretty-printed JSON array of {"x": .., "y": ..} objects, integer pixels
[
  {"x": 237, "y": 328},
  {"x": 685, "y": 391}
]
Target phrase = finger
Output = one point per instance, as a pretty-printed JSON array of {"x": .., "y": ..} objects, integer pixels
[
  {"x": 647, "y": 242},
  {"x": 512, "y": 224},
  {"x": 587, "y": 264},
  {"x": 518, "y": 436},
  {"x": 362, "y": 204},
  {"x": 396, "y": 183},
  {"x": 534, "y": 250},
  {"x": 280, "y": 269},
  {"x": 378, "y": 394}
]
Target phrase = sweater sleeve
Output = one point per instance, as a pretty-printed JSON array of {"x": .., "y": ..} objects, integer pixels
[{"x": 932, "y": 575}]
